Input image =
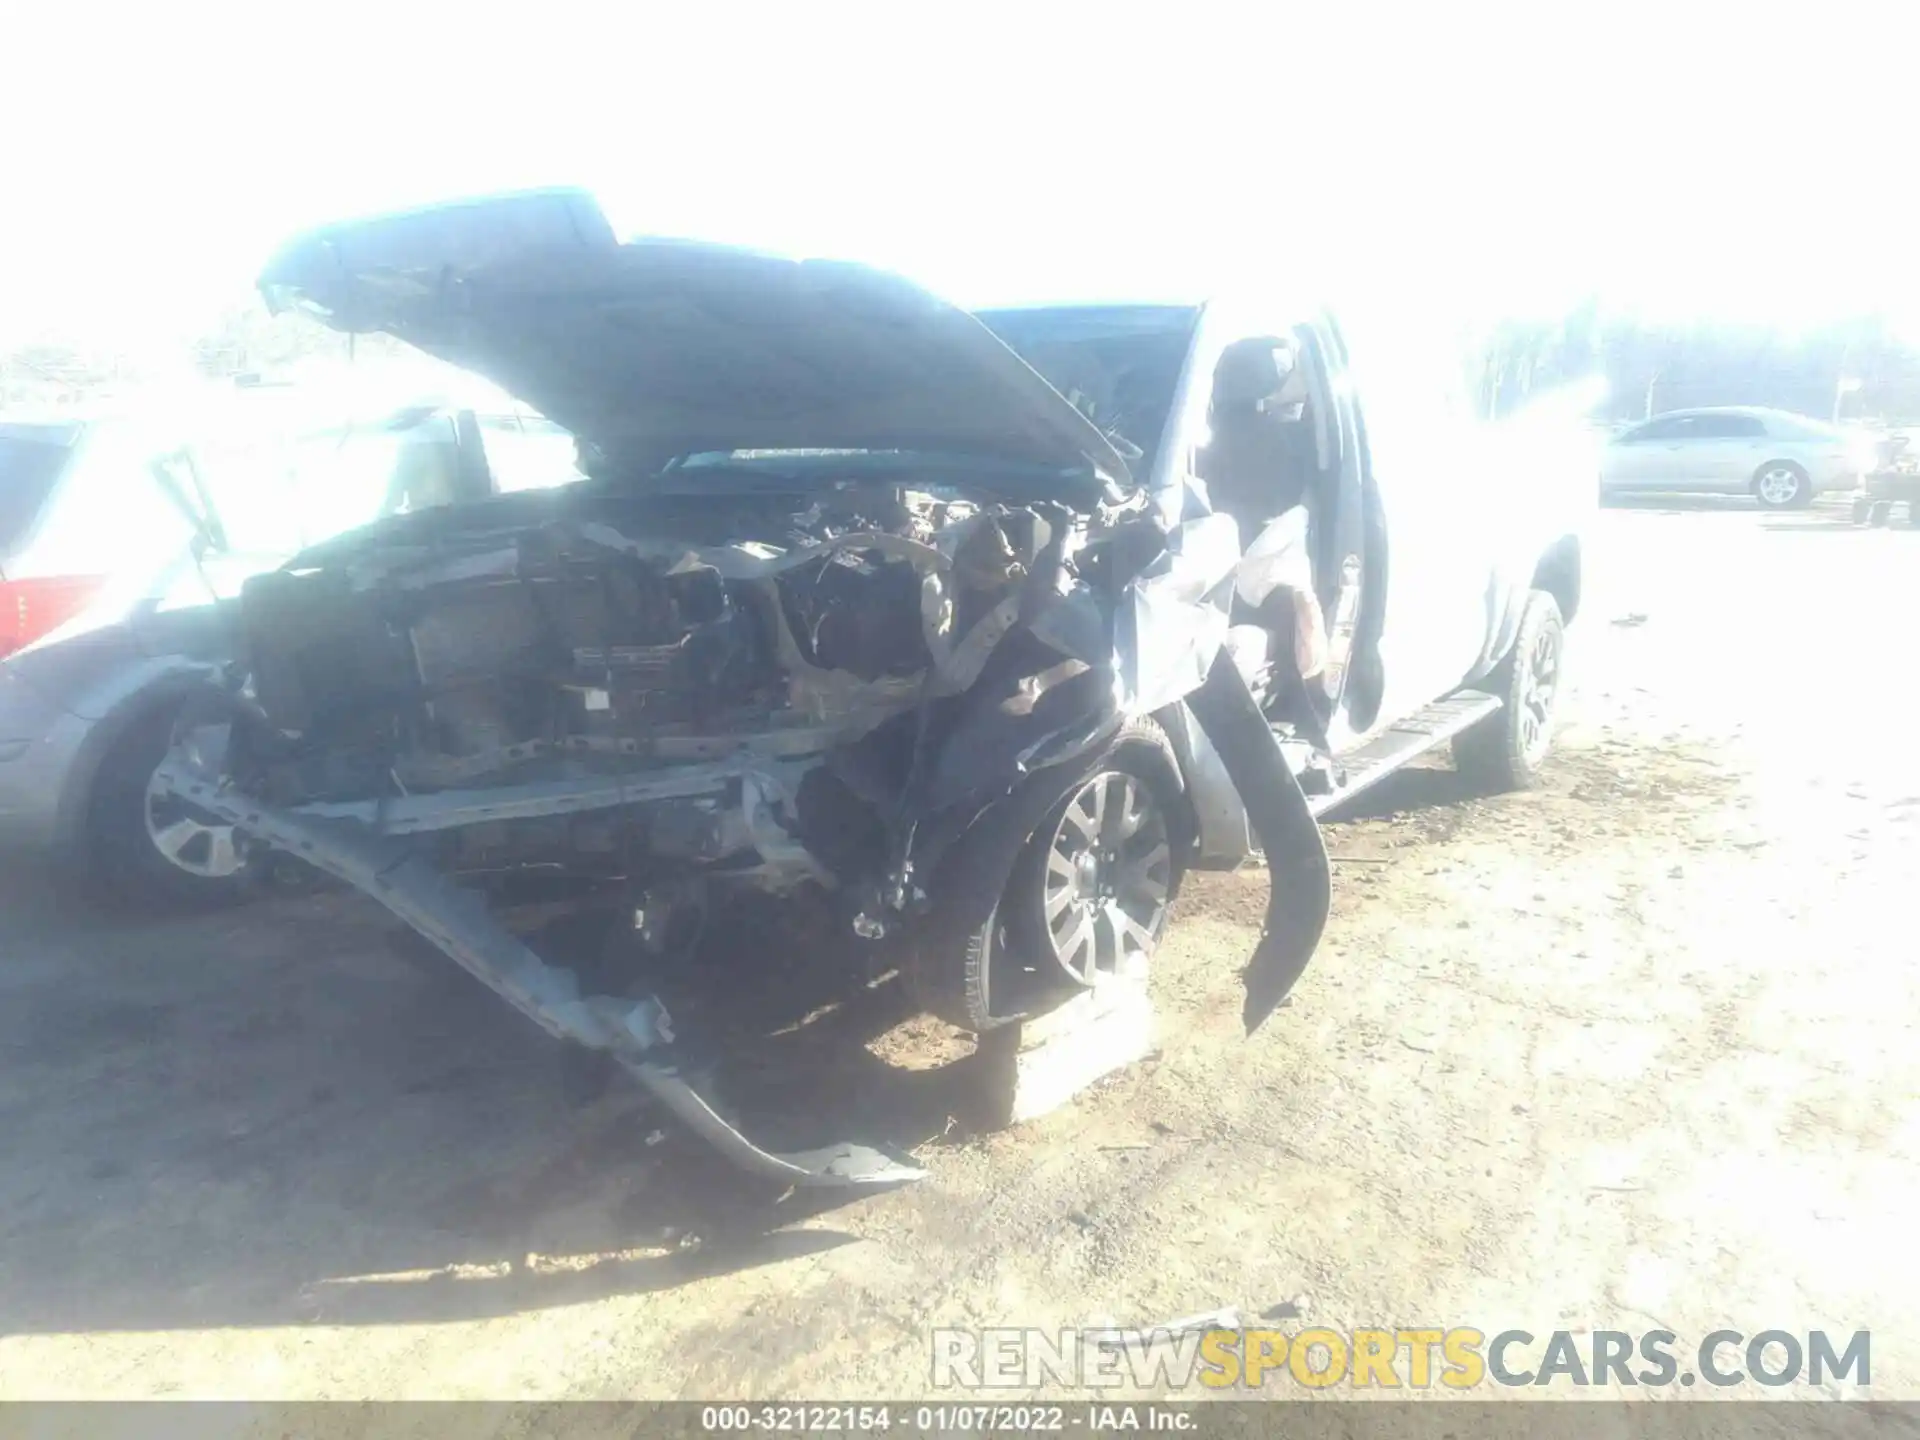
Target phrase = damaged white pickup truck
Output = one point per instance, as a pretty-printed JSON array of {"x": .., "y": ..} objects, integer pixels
[{"x": 852, "y": 597}]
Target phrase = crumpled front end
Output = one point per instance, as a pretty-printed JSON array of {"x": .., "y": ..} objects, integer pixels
[
  {"x": 669, "y": 696},
  {"x": 851, "y": 598}
]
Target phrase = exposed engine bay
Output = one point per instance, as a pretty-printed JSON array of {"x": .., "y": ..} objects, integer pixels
[{"x": 652, "y": 680}]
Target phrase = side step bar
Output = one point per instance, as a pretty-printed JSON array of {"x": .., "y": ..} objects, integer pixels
[{"x": 1408, "y": 740}]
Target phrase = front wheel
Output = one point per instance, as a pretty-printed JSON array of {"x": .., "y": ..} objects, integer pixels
[
  {"x": 1086, "y": 899},
  {"x": 1093, "y": 898},
  {"x": 1505, "y": 751},
  {"x": 1782, "y": 485},
  {"x": 149, "y": 849}
]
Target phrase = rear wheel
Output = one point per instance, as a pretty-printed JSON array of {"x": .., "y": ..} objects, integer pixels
[
  {"x": 150, "y": 849},
  {"x": 1505, "y": 751},
  {"x": 1782, "y": 485}
]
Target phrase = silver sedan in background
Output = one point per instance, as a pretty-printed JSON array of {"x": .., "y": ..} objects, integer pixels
[{"x": 1783, "y": 460}]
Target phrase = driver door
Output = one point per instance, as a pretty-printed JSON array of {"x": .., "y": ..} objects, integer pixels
[
  {"x": 1430, "y": 467},
  {"x": 1270, "y": 423}
]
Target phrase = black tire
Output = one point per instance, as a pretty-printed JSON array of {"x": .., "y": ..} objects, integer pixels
[
  {"x": 1768, "y": 482},
  {"x": 124, "y": 865},
  {"x": 955, "y": 958},
  {"x": 1503, "y": 752}
]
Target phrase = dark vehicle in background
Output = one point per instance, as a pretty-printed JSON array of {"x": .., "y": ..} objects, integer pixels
[{"x": 1895, "y": 480}]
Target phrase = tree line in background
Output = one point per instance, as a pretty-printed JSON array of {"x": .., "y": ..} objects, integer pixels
[
  {"x": 245, "y": 340},
  {"x": 1854, "y": 368}
]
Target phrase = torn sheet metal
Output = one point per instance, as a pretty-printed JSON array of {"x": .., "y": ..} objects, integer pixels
[{"x": 1173, "y": 620}]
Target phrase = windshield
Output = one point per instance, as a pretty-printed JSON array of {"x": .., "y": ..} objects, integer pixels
[
  {"x": 30, "y": 463},
  {"x": 280, "y": 494},
  {"x": 1119, "y": 364}
]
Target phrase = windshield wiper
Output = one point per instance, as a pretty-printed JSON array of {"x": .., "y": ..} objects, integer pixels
[{"x": 192, "y": 499}]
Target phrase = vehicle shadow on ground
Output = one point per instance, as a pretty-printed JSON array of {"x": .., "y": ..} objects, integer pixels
[
  {"x": 1411, "y": 791},
  {"x": 1839, "y": 522},
  {"x": 266, "y": 1117},
  {"x": 1835, "y": 525},
  {"x": 1682, "y": 503},
  {"x": 1827, "y": 512}
]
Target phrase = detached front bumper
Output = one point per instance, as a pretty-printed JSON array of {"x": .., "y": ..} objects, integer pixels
[{"x": 396, "y": 871}]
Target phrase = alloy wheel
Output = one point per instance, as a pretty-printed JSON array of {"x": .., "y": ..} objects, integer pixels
[
  {"x": 1779, "y": 485},
  {"x": 1539, "y": 687},
  {"x": 1109, "y": 879},
  {"x": 190, "y": 839}
]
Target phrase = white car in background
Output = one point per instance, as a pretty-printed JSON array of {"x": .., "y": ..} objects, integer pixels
[
  {"x": 1783, "y": 460},
  {"x": 89, "y": 686}
]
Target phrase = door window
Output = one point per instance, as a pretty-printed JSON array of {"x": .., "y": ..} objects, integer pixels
[
  {"x": 1259, "y": 457},
  {"x": 106, "y": 515},
  {"x": 31, "y": 462},
  {"x": 1727, "y": 427},
  {"x": 1681, "y": 429},
  {"x": 1261, "y": 425},
  {"x": 1668, "y": 428}
]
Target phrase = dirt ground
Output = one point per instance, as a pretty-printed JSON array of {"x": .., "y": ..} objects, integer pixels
[{"x": 1633, "y": 1051}]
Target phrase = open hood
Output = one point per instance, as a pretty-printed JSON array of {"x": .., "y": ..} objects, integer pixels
[{"x": 657, "y": 349}]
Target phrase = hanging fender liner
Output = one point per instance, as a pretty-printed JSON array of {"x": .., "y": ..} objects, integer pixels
[{"x": 1297, "y": 867}]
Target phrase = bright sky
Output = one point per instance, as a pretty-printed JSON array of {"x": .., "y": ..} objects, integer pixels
[{"x": 1468, "y": 159}]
